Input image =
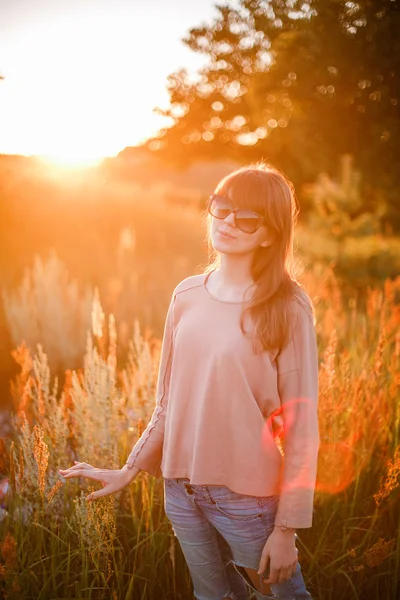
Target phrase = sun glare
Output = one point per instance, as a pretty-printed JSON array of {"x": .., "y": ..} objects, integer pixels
[
  {"x": 85, "y": 104},
  {"x": 71, "y": 161}
]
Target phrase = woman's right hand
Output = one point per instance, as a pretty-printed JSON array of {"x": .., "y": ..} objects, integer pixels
[{"x": 112, "y": 480}]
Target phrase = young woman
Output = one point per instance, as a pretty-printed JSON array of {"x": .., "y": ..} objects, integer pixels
[{"x": 235, "y": 431}]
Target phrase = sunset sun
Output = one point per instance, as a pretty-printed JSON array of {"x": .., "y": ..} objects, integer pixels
[{"x": 80, "y": 85}]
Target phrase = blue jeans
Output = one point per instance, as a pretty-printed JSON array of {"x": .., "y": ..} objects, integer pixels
[{"x": 221, "y": 533}]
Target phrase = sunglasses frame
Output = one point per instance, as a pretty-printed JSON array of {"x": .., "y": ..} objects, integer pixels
[{"x": 261, "y": 219}]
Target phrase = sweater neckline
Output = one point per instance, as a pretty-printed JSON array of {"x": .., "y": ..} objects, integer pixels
[{"x": 205, "y": 279}]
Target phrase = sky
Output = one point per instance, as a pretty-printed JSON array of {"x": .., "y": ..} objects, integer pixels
[{"x": 82, "y": 77}]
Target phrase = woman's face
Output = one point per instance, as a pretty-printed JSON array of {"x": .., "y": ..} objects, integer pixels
[{"x": 226, "y": 238}]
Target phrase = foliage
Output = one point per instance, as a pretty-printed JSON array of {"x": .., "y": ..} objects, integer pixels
[
  {"x": 54, "y": 544},
  {"x": 98, "y": 416},
  {"x": 131, "y": 250},
  {"x": 347, "y": 231},
  {"x": 49, "y": 308},
  {"x": 301, "y": 83}
]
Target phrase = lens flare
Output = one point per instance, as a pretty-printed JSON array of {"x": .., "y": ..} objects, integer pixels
[{"x": 340, "y": 461}]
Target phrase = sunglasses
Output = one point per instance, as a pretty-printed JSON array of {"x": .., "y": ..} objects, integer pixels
[{"x": 246, "y": 220}]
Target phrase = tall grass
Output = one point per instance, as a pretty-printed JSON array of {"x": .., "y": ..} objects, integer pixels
[
  {"x": 354, "y": 546},
  {"x": 55, "y": 545}
]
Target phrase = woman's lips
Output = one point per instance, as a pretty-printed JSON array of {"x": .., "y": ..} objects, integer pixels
[{"x": 226, "y": 236}]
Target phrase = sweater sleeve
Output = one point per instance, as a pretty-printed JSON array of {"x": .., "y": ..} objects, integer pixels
[
  {"x": 147, "y": 452},
  {"x": 298, "y": 390}
]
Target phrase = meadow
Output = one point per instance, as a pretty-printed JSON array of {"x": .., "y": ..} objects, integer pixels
[{"x": 84, "y": 390}]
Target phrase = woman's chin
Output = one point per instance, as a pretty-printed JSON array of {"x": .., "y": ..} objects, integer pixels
[
  {"x": 228, "y": 250},
  {"x": 223, "y": 247}
]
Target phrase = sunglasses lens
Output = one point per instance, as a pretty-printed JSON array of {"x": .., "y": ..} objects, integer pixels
[
  {"x": 247, "y": 220},
  {"x": 219, "y": 207}
]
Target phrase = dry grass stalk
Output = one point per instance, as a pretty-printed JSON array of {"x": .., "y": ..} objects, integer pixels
[
  {"x": 9, "y": 552},
  {"x": 392, "y": 479},
  {"x": 379, "y": 552},
  {"x": 355, "y": 406},
  {"x": 41, "y": 454},
  {"x": 96, "y": 522},
  {"x": 53, "y": 491},
  {"x": 139, "y": 377},
  {"x": 9, "y": 585},
  {"x": 22, "y": 357},
  {"x": 48, "y": 308},
  {"x": 98, "y": 316}
]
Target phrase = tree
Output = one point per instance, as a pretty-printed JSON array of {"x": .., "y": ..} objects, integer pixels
[{"x": 299, "y": 83}]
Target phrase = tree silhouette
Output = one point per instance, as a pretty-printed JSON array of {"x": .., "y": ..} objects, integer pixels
[{"x": 299, "y": 83}]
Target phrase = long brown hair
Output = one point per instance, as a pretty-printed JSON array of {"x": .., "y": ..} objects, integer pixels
[{"x": 275, "y": 273}]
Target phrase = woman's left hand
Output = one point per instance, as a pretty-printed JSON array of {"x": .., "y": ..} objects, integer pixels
[{"x": 281, "y": 553}]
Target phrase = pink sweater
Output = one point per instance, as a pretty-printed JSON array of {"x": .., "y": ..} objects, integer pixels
[{"x": 227, "y": 416}]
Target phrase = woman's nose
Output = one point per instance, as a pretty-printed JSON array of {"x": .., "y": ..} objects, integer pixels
[{"x": 230, "y": 219}]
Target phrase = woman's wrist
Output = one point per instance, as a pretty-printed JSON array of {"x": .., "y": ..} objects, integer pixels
[
  {"x": 285, "y": 530},
  {"x": 131, "y": 470}
]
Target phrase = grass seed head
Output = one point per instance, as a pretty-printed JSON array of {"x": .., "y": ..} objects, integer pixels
[{"x": 41, "y": 454}]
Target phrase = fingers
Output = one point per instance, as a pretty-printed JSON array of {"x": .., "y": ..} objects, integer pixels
[
  {"x": 263, "y": 562},
  {"x": 83, "y": 469},
  {"x": 273, "y": 576},
  {"x": 82, "y": 464},
  {"x": 96, "y": 474},
  {"x": 279, "y": 575},
  {"x": 106, "y": 491},
  {"x": 77, "y": 465},
  {"x": 285, "y": 574}
]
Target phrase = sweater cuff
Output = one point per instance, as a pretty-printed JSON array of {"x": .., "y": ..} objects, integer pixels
[{"x": 154, "y": 470}]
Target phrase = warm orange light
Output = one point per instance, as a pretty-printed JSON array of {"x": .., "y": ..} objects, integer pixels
[
  {"x": 339, "y": 462},
  {"x": 278, "y": 428},
  {"x": 338, "y": 466},
  {"x": 66, "y": 161},
  {"x": 85, "y": 92}
]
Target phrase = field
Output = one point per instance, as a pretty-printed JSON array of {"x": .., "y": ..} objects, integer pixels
[{"x": 87, "y": 391}]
